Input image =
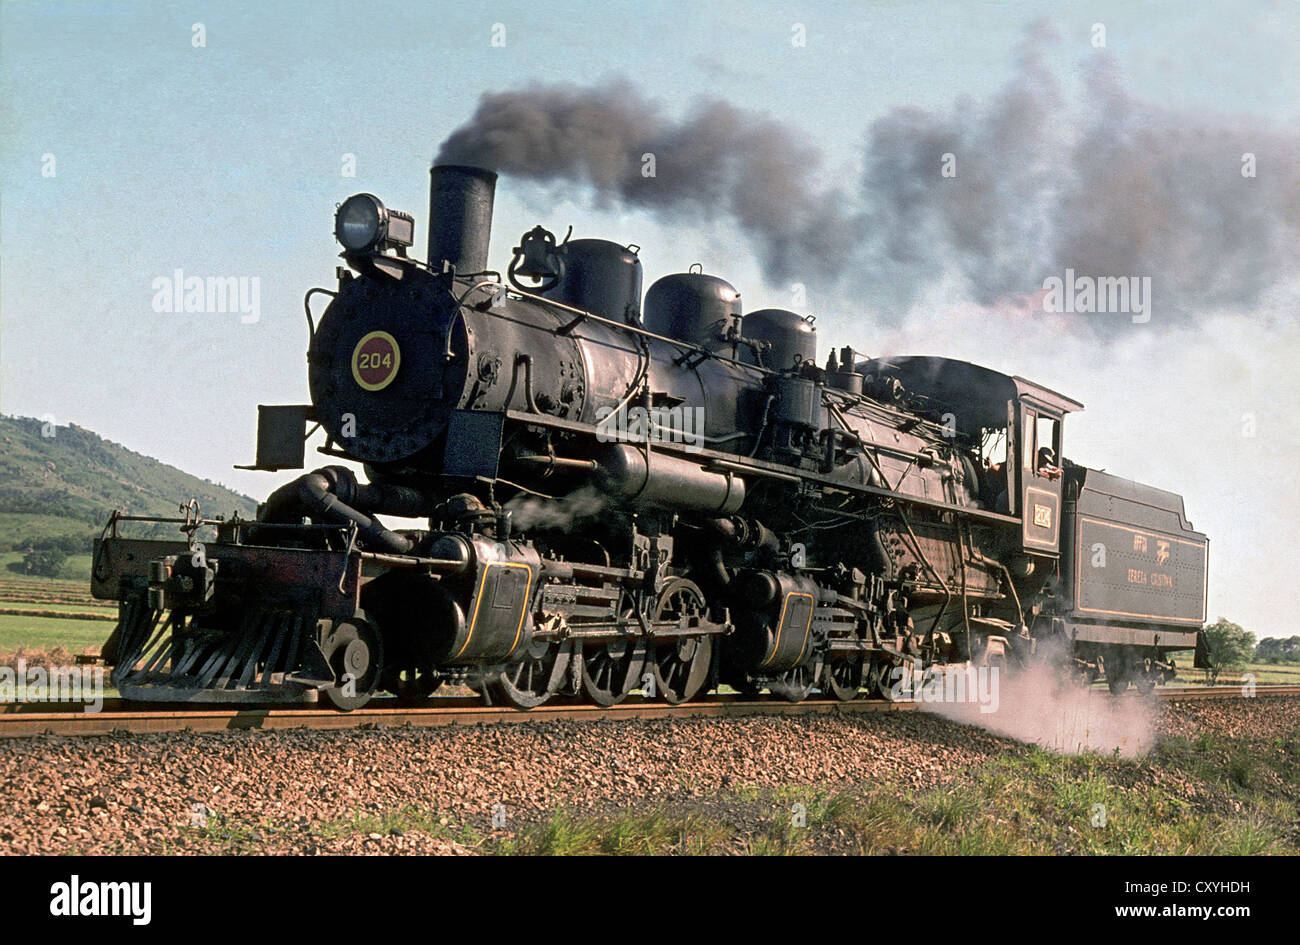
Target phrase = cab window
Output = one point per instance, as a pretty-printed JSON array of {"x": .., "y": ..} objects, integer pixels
[
  {"x": 994, "y": 493},
  {"x": 1047, "y": 447},
  {"x": 993, "y": 446}
]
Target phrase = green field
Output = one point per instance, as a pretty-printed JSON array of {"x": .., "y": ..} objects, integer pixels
[
  {"x": 1264, "y": 673},
  {"x": 76, "y": 568},
  {"x": 44, "y": 622},
  {"x": 47, "y": 633},
  {"x": 34, "y": 526}
]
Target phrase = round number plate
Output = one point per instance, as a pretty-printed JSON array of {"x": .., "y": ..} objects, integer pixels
[{"x": 375, "y": 360}]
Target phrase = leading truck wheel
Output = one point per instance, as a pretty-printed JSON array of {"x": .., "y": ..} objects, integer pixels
[
  {"x": 412, "y": 687},
  {"x": 355, "y": 652}
]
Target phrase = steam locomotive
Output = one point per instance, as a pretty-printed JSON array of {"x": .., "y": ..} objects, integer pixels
[{"x": 662, "y": 495}]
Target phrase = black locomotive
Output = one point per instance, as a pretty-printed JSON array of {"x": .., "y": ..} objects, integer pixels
[{"x": 667, "y": 497}]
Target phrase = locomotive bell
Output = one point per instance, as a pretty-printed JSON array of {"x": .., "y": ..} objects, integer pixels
[{"x": 536, "y": 256}]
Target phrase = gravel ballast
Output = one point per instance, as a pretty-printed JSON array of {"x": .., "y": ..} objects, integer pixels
[{"x": 315, "y": 792}]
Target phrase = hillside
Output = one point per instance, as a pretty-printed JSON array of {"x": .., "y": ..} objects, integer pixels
[{"x": 63, "y": 487}]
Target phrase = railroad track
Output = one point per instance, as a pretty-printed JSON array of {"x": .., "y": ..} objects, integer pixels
[{"x": 27, "y": 719}]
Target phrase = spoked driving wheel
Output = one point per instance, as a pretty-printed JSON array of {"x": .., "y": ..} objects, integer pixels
[
  {"x": 886, "y": 680},
  {"x": 795, "y": 684},
  {"x": 843, "y": 679},
  {"x": 680, "y": 664},
  {"x": 611, "y": 670},
  {"x": 355, "y": 652},
  {"x": 531, "y": 681}
]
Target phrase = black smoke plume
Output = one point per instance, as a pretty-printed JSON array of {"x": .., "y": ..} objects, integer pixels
[{"x": 1117, "y": 187}]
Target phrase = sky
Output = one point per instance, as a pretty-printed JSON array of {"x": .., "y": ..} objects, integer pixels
[{"x": 216, "y": 138}]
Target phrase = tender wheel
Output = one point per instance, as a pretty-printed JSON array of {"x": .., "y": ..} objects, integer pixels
[
  {"x": 680, "y": 665},
  {"x": 795, "y": 684},
  {"x": 611, "y": 670},
  {"x": 843, "y": 679},
  {"x": 1117, "y": 674},
  {"x": 1083, "y": 677},
  {"x": 531, "y": 681},
  {"x": 1144, "y": 676},
  {"x": 355, "y": 652}
]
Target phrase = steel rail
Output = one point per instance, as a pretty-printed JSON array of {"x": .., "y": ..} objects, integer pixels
[{"x": 30, "y": 719}]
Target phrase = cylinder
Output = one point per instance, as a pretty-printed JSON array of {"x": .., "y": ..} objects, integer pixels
[
  {"x": 460, "y": 216},
  {"x": 774, "y": 613}
]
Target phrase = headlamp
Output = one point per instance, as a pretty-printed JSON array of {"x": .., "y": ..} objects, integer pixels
[{"x": 363, "y": 224}]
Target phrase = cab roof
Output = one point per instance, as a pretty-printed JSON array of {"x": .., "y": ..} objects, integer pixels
[{"x": 976, "y": 395}]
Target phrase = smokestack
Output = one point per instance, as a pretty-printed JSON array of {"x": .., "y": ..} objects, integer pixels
[{"x": 460, "y": 216}]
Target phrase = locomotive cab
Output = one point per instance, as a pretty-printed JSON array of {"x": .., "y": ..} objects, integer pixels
[
  {"x": 1017, "y": 425},
  {"x": 1040, "y": 414}
]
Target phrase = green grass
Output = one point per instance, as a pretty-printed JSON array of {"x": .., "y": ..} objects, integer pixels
[
  {"x": 49, "y": 632},
  {"x": 1264, "y": 673},
  {"x": 225, "y": 835},
  {"x": 652, "y": 832},
  {"x": 1203, "y": 798},
  {"x": 55, "y": 598},
  {"x": 407, "y": 819},
  {"x": 1209, "y": 796}
]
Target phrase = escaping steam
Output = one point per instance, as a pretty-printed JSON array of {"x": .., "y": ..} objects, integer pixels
[
  {"x": 1114, "y": 188},
  {"x": 528, "y": 512},
  {"x": 1036, "y": 706}
]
